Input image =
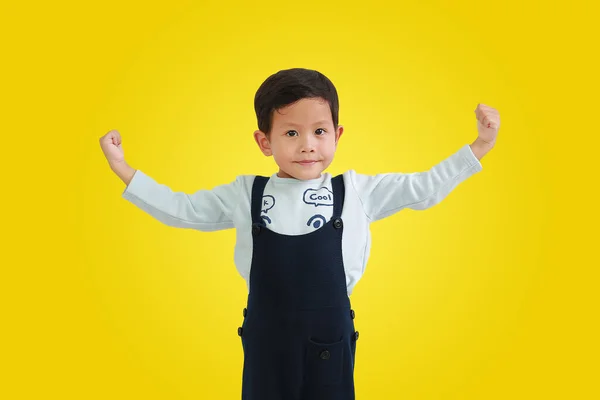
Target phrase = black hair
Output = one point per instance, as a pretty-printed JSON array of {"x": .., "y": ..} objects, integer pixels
[{"x": 288, "y": 86}]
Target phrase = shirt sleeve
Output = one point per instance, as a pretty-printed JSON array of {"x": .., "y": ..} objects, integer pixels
[
  {"x": 204, "y": 210},
  {"x": 385, "y": 194}
]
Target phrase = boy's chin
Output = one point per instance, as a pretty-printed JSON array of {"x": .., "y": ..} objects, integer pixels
[{"x": 310, "y": 173}]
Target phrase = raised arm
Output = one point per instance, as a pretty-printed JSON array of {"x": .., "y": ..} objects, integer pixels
[
  {"x": 205, "y": 210},
  {"x": 385, "y": 194}
]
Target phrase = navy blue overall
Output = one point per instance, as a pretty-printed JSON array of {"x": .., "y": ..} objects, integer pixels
[{"x": 298, "y": 333}]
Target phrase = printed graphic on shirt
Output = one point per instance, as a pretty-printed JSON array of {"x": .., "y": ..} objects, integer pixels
[
  {"x": 268, "y": 202},
  {"x": 319, "y": 197},
  {"x": 317, "y": 220}
]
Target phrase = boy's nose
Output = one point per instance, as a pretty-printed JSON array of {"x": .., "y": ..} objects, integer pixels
[{"x": 308, "y": 143}]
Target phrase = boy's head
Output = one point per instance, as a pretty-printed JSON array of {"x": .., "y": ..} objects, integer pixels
[{"x": 297, "y": 112}]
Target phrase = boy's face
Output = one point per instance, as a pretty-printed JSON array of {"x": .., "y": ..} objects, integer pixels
[{"x": 302, "y": 140}]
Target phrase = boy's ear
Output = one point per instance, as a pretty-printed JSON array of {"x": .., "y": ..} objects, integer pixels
[
  {"x": 263, "y": 143},
  {"x": 338, "y": 133}
]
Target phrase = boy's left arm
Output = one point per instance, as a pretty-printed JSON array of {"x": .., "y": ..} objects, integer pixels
[{"x": 385, "y": 194}]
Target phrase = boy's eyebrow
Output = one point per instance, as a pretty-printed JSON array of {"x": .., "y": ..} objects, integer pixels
[{"x": 298, "y": 125}]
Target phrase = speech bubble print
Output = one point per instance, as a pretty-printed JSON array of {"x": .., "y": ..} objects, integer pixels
[
  {"x": 268, "y": 202},
  {"x": 320, "y": 197}
]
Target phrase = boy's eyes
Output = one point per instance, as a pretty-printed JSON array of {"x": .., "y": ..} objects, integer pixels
[{"x": 294, "y": 133}]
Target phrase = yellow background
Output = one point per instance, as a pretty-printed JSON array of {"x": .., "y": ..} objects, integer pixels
[{"x": 491, "y": 294}]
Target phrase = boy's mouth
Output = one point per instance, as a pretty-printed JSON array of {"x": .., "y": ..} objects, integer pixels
[{"x": 307, "y": 162}]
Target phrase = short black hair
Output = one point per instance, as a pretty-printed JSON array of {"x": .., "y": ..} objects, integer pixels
[{"x": 288, "y": 86}]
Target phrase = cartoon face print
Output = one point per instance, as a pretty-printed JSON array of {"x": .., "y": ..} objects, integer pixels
[{"x": 317, "y": 221}]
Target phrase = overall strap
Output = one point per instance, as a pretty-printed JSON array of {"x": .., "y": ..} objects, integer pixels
[
  {"x": 337, "y": 185},
  {"x": 258, "y": 188}
]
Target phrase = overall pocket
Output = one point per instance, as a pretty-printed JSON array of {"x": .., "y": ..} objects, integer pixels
[{"x": 324, "y": 362}]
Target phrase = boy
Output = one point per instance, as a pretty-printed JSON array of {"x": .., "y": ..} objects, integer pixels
[{"x": 302, "y": 237}]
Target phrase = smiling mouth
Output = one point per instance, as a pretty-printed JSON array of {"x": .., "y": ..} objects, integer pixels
[{"x": 307, "y": 162}]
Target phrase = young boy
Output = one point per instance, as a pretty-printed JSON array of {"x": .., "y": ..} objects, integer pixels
[{"x": 303, "y": 236}]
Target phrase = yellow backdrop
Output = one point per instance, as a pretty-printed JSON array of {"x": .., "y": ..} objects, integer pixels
[{"x": 491, "y": 294}]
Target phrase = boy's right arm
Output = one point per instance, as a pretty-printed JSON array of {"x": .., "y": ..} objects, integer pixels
[{"x": 205, "y": 210}]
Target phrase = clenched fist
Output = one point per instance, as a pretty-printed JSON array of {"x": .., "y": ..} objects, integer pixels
[
  {"x": 488, "y": 123},
  {"x": 111, "y": 147}
]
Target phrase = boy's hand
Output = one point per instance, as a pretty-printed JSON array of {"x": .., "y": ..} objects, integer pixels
[
  {"x": 111, "y": 146},
  {"x": 488, "y": 124}
]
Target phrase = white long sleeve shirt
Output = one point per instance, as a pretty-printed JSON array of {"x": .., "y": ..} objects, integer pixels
[{"x": 295, "y": 207}]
